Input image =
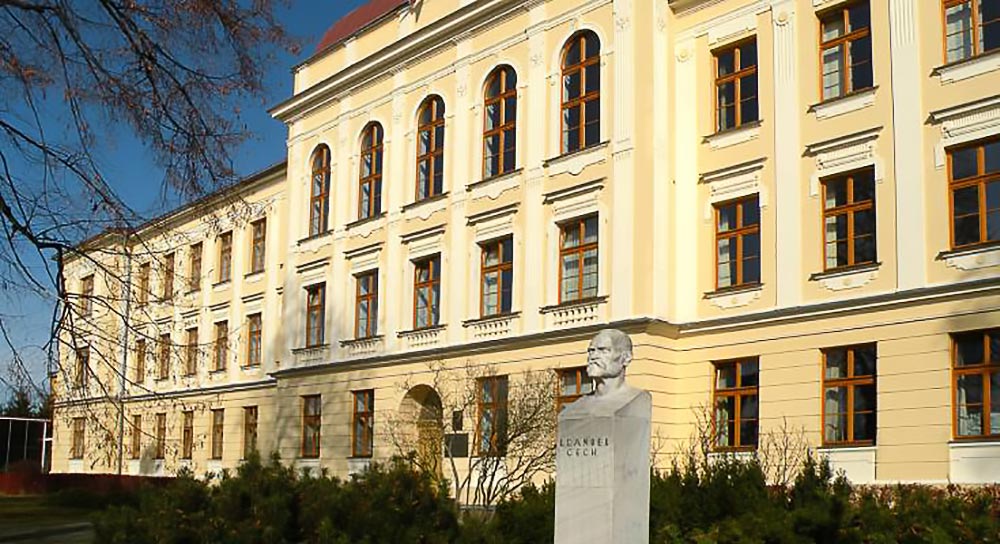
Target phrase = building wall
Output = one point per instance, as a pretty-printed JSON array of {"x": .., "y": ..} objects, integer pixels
[{"x": 654, "y": 180}]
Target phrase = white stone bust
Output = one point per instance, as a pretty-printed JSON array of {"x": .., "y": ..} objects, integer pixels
[{"x": 608, "y": 355}]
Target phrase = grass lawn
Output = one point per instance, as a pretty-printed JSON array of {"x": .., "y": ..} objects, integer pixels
[{"x": 24, "y": 513}]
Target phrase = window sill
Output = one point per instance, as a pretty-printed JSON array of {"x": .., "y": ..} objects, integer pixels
[
  {"x": 364, "y": 221},
  {"x": 255, "y": 366},
  {"x": 575, "y": 161},
  {"x": 425, "y": 201},
  {"x": 253, "y": 275},
  {"x": 851, "y": 446},
  {"x": 975, "y": 257},
  {"x": 305, "y": 349},
  {"x": 733, "y": 136},
  {"x": 494, "y": 179},
  {"x": 490, "y": 319},
  {"x": 967, "y": 68},
  {"x": 314, "y": 237},
  {"x": 847, "y": 277},
  {"x": 220, "y": 285},
  {"x": 728, "y": 298},
  {"x": 422, "y": 330},
  {"x": 974, "y": 441},
  {"x": 192, "y": 291},
  {"x": 734, "y": 290},
  {"x": 217, "y": 371},
  {"x": 852, "y": 101},
  {"x": 359, "y": 341},
  {"x": 591, "y": 301}
]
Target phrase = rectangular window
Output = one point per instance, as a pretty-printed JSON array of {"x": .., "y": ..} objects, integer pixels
[
  {"x": 846, "y": 49},
  {"x": 187, "y": 434},
  {"x": 225, "y": 256},
  {"x": 77, "y": 444},
  {"x": 164, "y": 357},
  {"x": 366, "y": 305},
  {"x": 136, "y": 449},
  {"x": 191, "y": 352},
  {"x": 427, "y": 292},
  {"x": 491, "y": 425},
  {"x": 976, "y": 375},
  {"x": 315, "y": 304},
  {"x": 249, "y": 430},
  {"x": 849, "y": 413},
  {"x": 143, "y": 295},
  {"x": 140, "y": 360},
  {"x": 737, "y": 242},
  {"x": 849, "y": 219},
  {"x": 259, "y": 232},
  {"x": 159, "y": 449},
  {"x": 311, "y": 417},
  {"x": 255, "y": 327},
  {"x": 497, "y": 277},
  {"x": 363, "y": 423},
  {"x": 578, "y": 259},
  {"x": 971, "y": 28},
  {"x": 221, "y": 345},
  {"x": 974, "y": 183},
  {"x": 168, "y": 277},
  {"x": 218, "y": 432},
  {"x": 736, "y": 85},
  {"x": 87, "y": 295},
  {"x": 573, "y": 384},
  {"x": 735, "y": 401},
  {"x": 194, "y": 268},
  {"x": 82, "y": 367}
]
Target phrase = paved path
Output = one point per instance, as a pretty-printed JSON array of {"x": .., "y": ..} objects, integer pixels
[{"x": 70, "y": 533}]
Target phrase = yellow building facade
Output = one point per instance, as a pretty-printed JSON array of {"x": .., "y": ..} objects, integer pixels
[{"x": 792, "y": 206}]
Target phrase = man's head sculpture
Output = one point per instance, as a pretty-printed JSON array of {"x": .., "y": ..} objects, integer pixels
[{"x": 609, "y": 353}]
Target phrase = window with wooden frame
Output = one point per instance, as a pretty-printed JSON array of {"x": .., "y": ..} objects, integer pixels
[
  {"x": 191, "y": 352},
  {"x": 76, "y": 447},
  {"x": 737, "y": 242},
  {"x": 500, "y": 122},
  {"x": 249, "y": 430},
  {"x": 845, "y": 50},
  {"x": 87, "y": 295},
  {"x": 315, "y": 308},
  {"x": 971, "y": 28},
  {"x": 370, "y": 177},
  {"x": 160, "y": 446},
  {"x": 363, "y": 423},
  {"x": 573, "y": 384},
  {"x": 736, "y": 85},
  {"x": 497, "y": 277},
  {"x": 976, "y": 384},
  {"x": 163, "y": 370},
  {"x": 258, "y": 245},
  {"x": 312, "y": 411},
  {"x": 255, "y": 328},
  {"x": 578, "y": 264},
  {"x": 366, "y": 305},
  {"x": 143, "y": 295},
  {"x": 221, "y": 345},
  {"x": 82, "y": 370},
  {"x": 581, "y": 91},
  {"x": 168, "y": 277},
  {"x": 135, "y": 451},
  {"x": 218, "y": 432},
  {"x": 187, "y": 434},
  {"x": 319, "y": 196},
  {"x": 430, "y": 148},
  {"x": 974, "y": 189},
  {"x": 225, "y": 257},
  {"x": 194, "y": 267},
  {"x": 426, "y": 292},
  {"x": 849, "y": 413},
  {"x": 735, "y": 399},
  {"x": 140, "y": 360},
  {"x": 491, "y": 425},
  {"x": 849, "y": 219}
]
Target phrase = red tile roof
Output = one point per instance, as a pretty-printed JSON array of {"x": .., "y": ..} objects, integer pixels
[{"x": 361, "y": 17}]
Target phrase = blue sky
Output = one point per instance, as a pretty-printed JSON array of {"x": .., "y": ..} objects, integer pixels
[{"x": 131, "y": 171}]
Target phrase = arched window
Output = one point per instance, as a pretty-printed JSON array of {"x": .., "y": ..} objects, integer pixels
[
  {"x": 370, "y": 178},
  {"x": 430, "y": 148},
  {"x": 319, "y": 201},
  {"x": 581, "y": 91},
  {"x": 500, "y": 122}
]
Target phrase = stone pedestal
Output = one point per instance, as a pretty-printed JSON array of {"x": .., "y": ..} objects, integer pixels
[{"x": 602, "y": 470}]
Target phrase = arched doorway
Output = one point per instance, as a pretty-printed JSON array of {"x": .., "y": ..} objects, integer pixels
[{"x": 421, "y": 411}]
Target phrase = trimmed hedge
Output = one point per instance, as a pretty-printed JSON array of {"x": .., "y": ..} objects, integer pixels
[{"x": 726, "y": 501}]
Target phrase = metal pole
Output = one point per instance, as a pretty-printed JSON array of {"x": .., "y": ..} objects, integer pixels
[
  {"x": 10, "y": 431},
  {"x": 45, "y": 434},
  {"x": 25, "y": 453},
  {"x": 124, "y": 366}
]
